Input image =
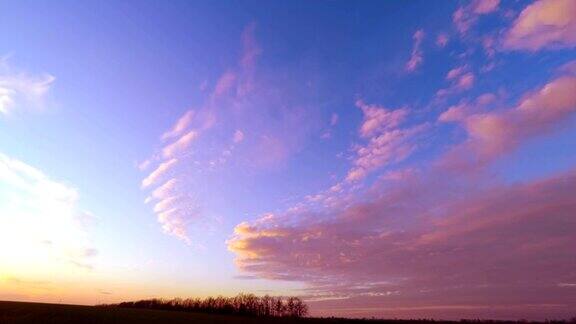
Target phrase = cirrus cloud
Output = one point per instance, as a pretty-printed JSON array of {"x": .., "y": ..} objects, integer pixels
[{"x": 246, "y": 120}]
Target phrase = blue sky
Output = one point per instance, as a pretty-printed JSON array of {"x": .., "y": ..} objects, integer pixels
[{"x": 270, "y": 123}]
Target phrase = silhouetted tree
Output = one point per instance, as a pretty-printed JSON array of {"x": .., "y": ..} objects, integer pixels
[{"x": 242, "y": 304}]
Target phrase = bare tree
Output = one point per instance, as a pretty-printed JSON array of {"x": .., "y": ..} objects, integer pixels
[{"x": 242, "y": 304}]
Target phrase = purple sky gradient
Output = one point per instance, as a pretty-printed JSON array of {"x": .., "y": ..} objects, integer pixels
[{"x": 398, "y": 159}]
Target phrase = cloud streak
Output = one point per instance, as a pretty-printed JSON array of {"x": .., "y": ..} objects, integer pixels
[
  {"x": 158, "y": 173},
  {"x": 416, "y": 57}
]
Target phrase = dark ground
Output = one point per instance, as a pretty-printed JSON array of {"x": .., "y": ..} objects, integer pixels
[{"x": 33, "y": 313}]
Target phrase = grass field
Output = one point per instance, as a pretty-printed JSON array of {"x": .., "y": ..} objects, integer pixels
[{"x": 32, "y": 313}]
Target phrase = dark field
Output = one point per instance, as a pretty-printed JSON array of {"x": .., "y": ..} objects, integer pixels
[{"x": 32, "y": 313}]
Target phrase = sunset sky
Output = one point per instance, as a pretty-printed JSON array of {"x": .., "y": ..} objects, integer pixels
[{"x": 378, "y": 158}]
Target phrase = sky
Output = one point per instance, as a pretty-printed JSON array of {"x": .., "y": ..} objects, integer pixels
[{"x": 377, "y": 158}]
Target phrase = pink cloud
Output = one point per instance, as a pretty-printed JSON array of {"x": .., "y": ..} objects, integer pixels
[
  {"x": 442, "y": 40},
  {"x": 455, "y": 72},
  {"x": 20, "y": 90},
  {"x": 175, "y": 211},
  {"x": 461, "y": 80},
  {"x": 466, "y": 16},
  {"x": 424, "y": 242},
  {"x": 142, "y": 166},
  {"x": 461, "y": 21},
  {"x": 485, "y": 6},
  {"x": 544, "y": 24},
  {"x": 493, "y": 133},
  {"x": 334, "y": 119},
  {"x": 165, "y": 204},
  {"x": 238, "y": 136},
  {"x": 159, "y": 172},
  {"x": 387, "y": 143},
  {"x": 463, "y": 109},
  {"x": 466, "y": 81},
  {"x": 251, "y": 48},
  {"x": 225, "y": 84},
  {"x": 455, "y": 113},
  {"x": 250, "y": 53},
  {"x": 485, "y": 99},
  {"x": 489, "y": 44},
  {"x": 568, "y": 68},
  {"x": 416, "y": 57},
  {"x": 378, "y": 119},
  {"x": 179, "y": 145},
  {"x": 388, "y": 147},
  {"x": 165, "y": 190},
  {"x": 181, "y": 125},
  {"x": 327, "y": 133},
  {"x": 175, "y": 222}
]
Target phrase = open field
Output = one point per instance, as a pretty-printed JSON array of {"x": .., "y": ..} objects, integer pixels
[
  {"x": 32, "y": 313},
  {"x": 16, "y": 312}
]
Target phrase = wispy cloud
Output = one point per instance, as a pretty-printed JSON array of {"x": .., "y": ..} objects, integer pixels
[
  {"x": 460, "y": 78},
  {"x": 442, "y": 40},
  {"x": 238, "y": 136},
  {"x": 243, "y": 122},
  {"x": 19, "y": 89},
  {"x": 466, "y": 16},
  {"x": 455, "y": 72},
  {"x": 180, "y": 144},
  {"x": 416, "y": 57},
  {"x": 464, "y": 108},
  {"x": 180, "y": 126},
  {"x": 485, "y": 6},
  {"x": 159, "y": 172}
]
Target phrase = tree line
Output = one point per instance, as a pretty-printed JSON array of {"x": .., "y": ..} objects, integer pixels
[{"x": 242, "y": 304}]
